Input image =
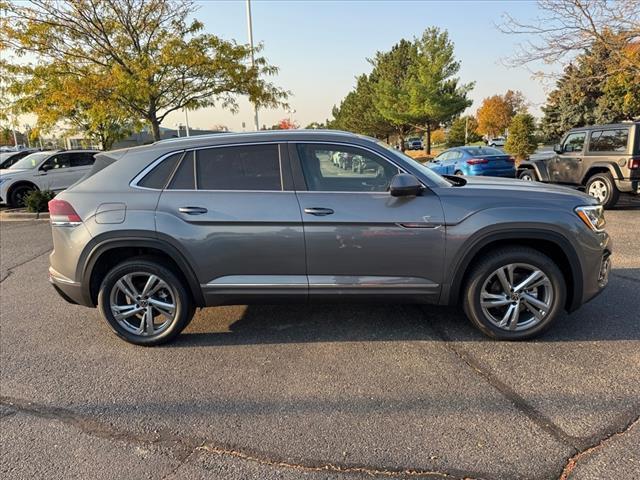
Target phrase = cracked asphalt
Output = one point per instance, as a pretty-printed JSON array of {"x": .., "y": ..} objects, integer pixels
[{"x": 317, "y": 392}]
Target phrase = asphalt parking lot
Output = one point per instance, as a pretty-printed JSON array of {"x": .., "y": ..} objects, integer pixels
[{"x": 319, "y": 391}]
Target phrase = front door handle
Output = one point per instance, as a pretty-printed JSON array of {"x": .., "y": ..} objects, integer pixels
[
  {"x": 318, "y": 212},
  {"x": 193, "y": 210}
]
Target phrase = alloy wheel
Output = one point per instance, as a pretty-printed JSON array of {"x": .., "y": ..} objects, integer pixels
[
  {"x": 599, "y": 189},
  {"x": 143, "y": 304},
  {"x": 516, "y": 297}
]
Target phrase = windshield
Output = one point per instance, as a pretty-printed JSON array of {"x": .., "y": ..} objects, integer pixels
[
  {"x": 426, "y": 171},
  {"x": 30, "y": 161}
]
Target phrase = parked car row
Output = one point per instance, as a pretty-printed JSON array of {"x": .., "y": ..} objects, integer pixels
[{"x": 53, "y": 170}]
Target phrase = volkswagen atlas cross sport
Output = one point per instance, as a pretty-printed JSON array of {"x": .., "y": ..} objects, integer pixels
[{"x": 154, "y": 232}]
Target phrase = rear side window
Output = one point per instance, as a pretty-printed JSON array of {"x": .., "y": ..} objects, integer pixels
[
  {"x": 251, "y": 167},
  {"x": 184, "y": 178},
  {"x": 609, "y": 140},
  {"x": 160, "y": 175},
  {"x": 82, "y": 159}
]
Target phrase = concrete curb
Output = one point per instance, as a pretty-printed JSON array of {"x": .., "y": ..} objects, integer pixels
[{"x": 20, "y": 214}]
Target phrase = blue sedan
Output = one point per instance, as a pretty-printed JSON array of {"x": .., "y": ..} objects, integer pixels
[{"x": 485, "y": 161}]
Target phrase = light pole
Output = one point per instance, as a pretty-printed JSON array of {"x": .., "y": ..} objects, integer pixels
[
  {"x": 253, "y": 61},
  {"x": 186, "y": 122}
]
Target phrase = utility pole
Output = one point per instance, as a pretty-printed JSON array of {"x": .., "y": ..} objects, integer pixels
[
  {"x": 466, "y": 130},
  {"x": 253, "y": 61}
]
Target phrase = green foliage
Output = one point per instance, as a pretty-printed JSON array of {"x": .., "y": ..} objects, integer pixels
[
  {"x": 148, "y": 58},
  {"x": 596, "y": 88},
  {"x": 435, "y": 95},
  {"x": 412, "y": 86},
  {"x": 456, "y": 134},
  {"x": 521, "y": 141},
  {"x": 37, "y": 201},
  {"x": 357, "y": 112}
]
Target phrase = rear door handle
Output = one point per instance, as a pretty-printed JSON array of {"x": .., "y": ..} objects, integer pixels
[
  {"x": 193, "y": 210},
  {"x": 318, "y": 212}
]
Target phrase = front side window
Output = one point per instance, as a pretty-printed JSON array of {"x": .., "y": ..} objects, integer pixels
[
  {"x": 62, "y": 160},
  {"x": 609, "y": 140},
  {"x": 337, "y": 168},
  {"x": 250, "y": 167},
  {"x": 574, "y": 142}
]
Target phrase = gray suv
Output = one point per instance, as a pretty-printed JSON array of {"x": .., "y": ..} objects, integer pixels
[{"x": 154, "y": 232}]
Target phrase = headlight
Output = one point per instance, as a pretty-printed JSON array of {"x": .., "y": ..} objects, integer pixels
[{"x": 593, "y": 216}]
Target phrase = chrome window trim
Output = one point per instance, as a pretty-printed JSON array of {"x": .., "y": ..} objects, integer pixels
[
  {"x": 140, "y": 176},
  {"x": 134, "y": 183}
]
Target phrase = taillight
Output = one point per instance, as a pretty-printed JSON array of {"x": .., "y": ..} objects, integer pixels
[
  {"x": 62, "y": 214},
  {"x": 634, "y": 163},
  {"x": 511, "y": 160},
  {"x": 477, "y": 161}
]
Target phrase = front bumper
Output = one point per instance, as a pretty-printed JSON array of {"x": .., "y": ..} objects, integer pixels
[{"x": 597, "y": 270}]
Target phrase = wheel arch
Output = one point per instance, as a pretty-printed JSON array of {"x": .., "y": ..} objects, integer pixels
[
  {"x": 20, "y": 183},
  {"x": 550, "y": 243},
  {"x": 602, "y": 167},
  {"x": 104, "y": 252},
  {"x": 537, "y": 166}
]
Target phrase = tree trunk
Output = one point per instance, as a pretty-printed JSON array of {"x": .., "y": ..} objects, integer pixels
[
  {"x": 428, "y": 139},
  {"x": 155, "y": 129}
]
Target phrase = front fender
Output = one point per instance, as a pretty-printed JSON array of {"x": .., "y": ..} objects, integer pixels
[
  {"x": 539, "y": 166},
  {"x": 500, "y": 225}
]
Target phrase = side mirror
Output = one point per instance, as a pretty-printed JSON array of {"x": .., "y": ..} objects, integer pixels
[
  {"x": 46, "y": 168},
  {"x": 405, "y": 185},
  {"x": 558, "y": 149}
]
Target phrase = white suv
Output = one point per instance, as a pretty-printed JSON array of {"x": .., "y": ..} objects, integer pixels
[{"x": 52, "y": 170}]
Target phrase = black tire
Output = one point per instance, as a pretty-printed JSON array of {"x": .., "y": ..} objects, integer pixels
[
  {"x": 602, "y": 187},
  {"x": 459, "y": 173},
  {"x": 483, "y": 272},
  {"x": 18, "y": 193},
  {"x": 176, "y": 290},
  {"x": 528, "y": 175}
]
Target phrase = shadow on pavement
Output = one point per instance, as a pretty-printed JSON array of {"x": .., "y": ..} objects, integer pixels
[{"x": 613, "y": 315}]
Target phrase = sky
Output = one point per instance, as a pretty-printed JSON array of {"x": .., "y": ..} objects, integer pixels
[{"x": 321, "y": 46}]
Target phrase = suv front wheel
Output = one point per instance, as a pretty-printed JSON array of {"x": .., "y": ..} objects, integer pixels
[
  {"x": 514, "y": 293},
  {"x": 144, "y": 303},
  {"x": 602, "y": 187}
]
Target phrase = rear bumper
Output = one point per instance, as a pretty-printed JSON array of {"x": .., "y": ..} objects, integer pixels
[
  {"x": 494, "y": 173},
  {"x": 69, "y": 290},
  {"x": 629, "y": 186}
]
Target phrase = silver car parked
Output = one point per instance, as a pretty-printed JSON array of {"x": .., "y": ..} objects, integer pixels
[{"x": 154, "y": 232}]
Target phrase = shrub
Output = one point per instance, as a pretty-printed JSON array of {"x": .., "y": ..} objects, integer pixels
[
  {"x": 521, "y": 142},
  {"x": 37, "y": 200}
]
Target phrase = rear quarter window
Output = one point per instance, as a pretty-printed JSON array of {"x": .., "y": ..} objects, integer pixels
[
  {"x": 160, "y": 175},
  {"x": 609, "y": 140}
]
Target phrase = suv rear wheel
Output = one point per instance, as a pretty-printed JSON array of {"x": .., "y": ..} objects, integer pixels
[
  {"x": 514, "y": 293},
  {"x": 144, "y": 303},
  {"x": 602, "y": 187}
]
